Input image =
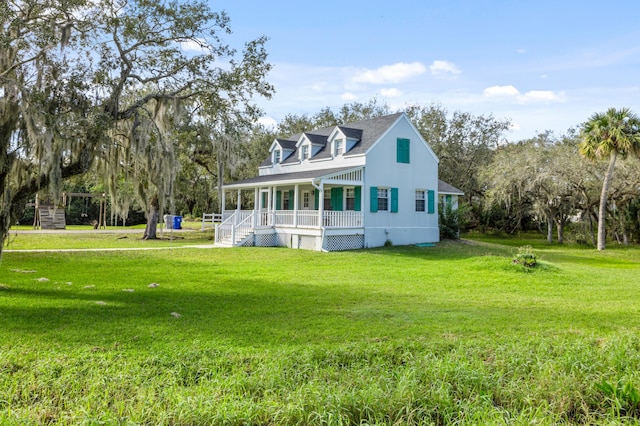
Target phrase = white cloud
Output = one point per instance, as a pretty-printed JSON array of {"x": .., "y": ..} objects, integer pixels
[
  {"x": 521, "y": 51},
  {"x": 390, "y": 73},
  {"x": 193, "y": 45},
  {"x": 268, "y": 122},
  {"x": 541, "y": 96},
  {"x": 348, "y": 96},
  {"x": 532, "y": 96},
  {"x": 444, "y": 67},
  {"x": 499, "y": 91},
  {"x": 391, "y": 93}
]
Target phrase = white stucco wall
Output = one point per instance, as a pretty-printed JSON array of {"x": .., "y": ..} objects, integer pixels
[{"x": 382, "y": 170}]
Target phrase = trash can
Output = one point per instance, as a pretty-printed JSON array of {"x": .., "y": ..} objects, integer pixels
[
  {"x": 177, "y": 222},
  {"x": 168, "y": 221}
]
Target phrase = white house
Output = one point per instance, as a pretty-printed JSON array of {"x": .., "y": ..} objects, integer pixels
[{"x": 351, "y": 186}]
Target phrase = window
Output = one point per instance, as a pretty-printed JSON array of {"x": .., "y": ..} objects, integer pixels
[
  {"x": 383, "y": 199},
  {"x": 403, "y": 150},
  {"x": 305, "y": 152},
  {"x": 276, "y": 156},
  {"x": 327, "y": 199},
  {"x": 285, "y": 200},
  {"x": 350, "y": 199},
  {"x": 420, "y": 200},
  {"x": 305, "y": 199},
  {"x": 337, "y": 147}
]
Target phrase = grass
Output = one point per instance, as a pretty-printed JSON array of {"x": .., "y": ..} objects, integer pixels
[
  {"x": 84, "y": 237},
  {"x": 405, "y": 335}
]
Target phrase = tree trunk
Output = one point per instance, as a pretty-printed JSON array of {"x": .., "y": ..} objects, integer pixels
[
  {"x": 603, "y": 201},
  {"x": 152, "y": 220},
  {"x": 560, "y": 226},
  {"x": 549, "y": 230}
]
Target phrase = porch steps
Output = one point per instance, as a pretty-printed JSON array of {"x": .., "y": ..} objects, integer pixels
[{"x": 226, "y": 242}]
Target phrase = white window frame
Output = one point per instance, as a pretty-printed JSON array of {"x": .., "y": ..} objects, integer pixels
[
  {"x": 350, "y": 190},
  {"x": 327, "y": 205},
  {"x": 423, "y": 200},
  {"x": 306, "y": 200},
  {"x": 383, "y": 197},
  {"x": 337, "y": 147},
  {"x": 304, "y": 152},
  {"x": 276, "y": 156}
]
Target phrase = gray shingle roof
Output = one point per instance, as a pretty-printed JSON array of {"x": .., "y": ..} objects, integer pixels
[
  {"x": 294, "y": 176},
  {"x": 445, "y": 188},
  {"x": 351, "y": 133},
  {"x": 367, "y": 131},
  {"x": 287, "y": 144}
]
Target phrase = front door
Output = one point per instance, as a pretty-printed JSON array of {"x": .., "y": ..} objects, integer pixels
[{"x": 306, "y": 200}]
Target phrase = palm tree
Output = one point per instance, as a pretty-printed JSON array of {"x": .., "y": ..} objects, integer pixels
[{"x": 609, "y": 135}]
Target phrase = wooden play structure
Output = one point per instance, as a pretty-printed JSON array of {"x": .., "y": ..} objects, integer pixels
[{"x": 53, "y": 217}]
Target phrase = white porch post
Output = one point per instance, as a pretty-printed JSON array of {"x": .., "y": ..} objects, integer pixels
[
  {"x": 256, "y": 205},
  {"x": 295, "y": 205},
  {"x": 274, "y": 198},
  {"x": 320, "y": 204},
  {"x": 269, "y": 205},
  {"x": 256, "y": 199},
  {"x": 222, "y": 203},
  {"x": 238, "y": 203}
]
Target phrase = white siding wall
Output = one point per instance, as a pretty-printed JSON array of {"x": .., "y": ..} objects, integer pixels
[{"x": 382, "y": 170}]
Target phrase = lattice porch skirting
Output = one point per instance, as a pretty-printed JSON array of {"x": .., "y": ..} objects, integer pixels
[{"x": 343, "y": 242}]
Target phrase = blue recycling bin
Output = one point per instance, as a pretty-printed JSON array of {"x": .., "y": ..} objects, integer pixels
[{"x": 177, "y": 222}]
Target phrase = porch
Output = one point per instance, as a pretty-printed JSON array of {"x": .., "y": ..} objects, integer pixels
[{"x": 320, "y": 212}]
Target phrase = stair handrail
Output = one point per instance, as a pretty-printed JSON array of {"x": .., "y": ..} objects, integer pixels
[
  {"x": 227, "y": 223},
  {"x": 242, "y": 224}
]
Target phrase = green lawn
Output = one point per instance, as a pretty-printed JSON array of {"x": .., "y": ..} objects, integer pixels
[{"x": 436, "y": 335}]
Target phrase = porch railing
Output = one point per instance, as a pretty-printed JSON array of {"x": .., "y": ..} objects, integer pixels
[
  {"x": 240, "y": 223},
  {"x": 309, "y": 219},
  {"x": 348, "y": 219}
]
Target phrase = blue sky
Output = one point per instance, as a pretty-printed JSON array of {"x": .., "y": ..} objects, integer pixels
[{"x": 544, "y": 64}]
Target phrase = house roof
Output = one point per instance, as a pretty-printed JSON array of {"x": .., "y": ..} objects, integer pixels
[
  {"x": 287, "y": 144},
  {"x": 351, "y": 133},
  {"x": 294, "y": 177},
  {"x": 367, "y": 131},
  {"x": 316, "y": 139},
  {"x": 445, "y": 188}
]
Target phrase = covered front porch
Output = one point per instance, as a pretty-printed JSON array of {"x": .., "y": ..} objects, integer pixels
[{"x": 319, "y": 210}]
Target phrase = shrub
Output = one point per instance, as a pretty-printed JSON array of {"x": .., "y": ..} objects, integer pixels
[
  {"x": 452, "y": 221},
  {"x": 525, "y": 257}
]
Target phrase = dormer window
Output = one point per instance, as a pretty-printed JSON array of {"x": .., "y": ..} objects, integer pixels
[
  {"x": 304, "y": 153},
  {"x": 337, "y": 147},
  {"x": 276, "y": 156}
]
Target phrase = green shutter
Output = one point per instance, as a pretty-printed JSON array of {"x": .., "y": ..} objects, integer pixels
[
  {"x": 336, "y": 199},
  {"x": 357, "y": 198},
  {"x": 448, "y": 198},
  {"x": 402, "y": 150},
  {"x": 278, "y": 200},
  {"x": 394, "y": 200},
  {"x": 291, "y": 199},
  {"x": 263, "y": 200},
  {"x": 315, "y": 199},
  {"x": 373, "y": 192},
  {"x": 430, "y": 201}
]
